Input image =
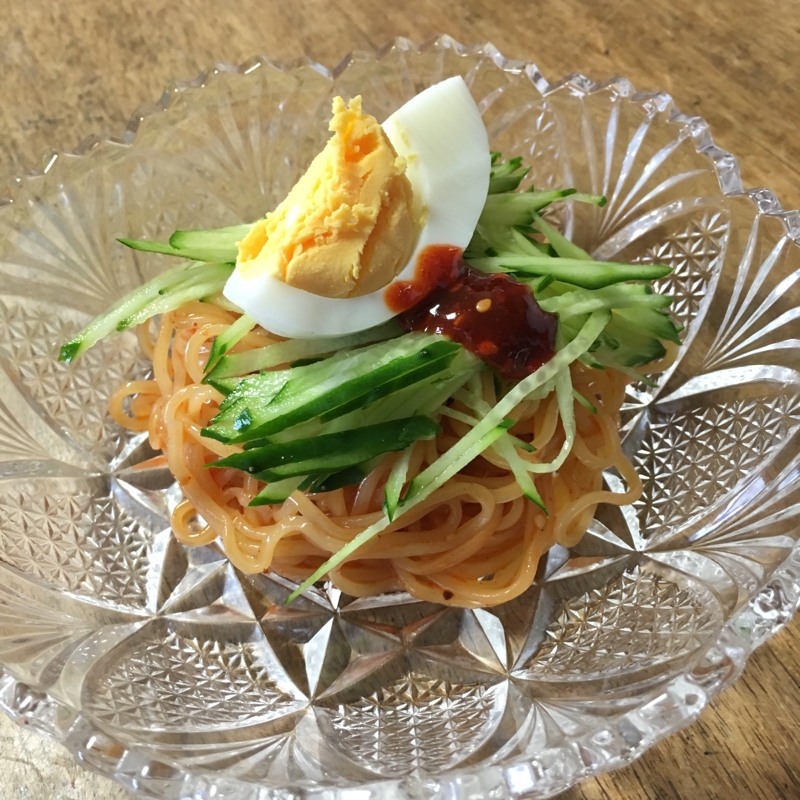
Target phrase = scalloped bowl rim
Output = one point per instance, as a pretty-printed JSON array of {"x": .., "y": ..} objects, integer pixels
[{"x": 29, "y": 703}]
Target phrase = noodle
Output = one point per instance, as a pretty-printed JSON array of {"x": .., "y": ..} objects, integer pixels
[{"x": 476, "y": 541}]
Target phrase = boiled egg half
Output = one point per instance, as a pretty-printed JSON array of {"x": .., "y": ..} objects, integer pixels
[{"x": 358, "y": 219}]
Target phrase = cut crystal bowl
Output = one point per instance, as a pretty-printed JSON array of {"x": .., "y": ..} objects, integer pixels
[{"x": 180, "y": 677}]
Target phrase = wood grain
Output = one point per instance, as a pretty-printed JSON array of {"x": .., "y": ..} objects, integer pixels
[{"x": 73, "y": 69}]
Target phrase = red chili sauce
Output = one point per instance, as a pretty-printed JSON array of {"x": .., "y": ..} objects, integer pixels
[{"x": 493, "y": 316}]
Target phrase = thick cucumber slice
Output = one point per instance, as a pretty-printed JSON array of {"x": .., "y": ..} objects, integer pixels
[
  {"x": 293, "y": 408},
  {"x": 330, "y": 453},
  {"x": 225, "y": 385},
  {"x": 330, "y": 388},
  {"x": 255, "y": 393}
]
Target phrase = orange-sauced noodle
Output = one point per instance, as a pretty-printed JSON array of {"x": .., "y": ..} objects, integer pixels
[{"x": 476, "y": 541}]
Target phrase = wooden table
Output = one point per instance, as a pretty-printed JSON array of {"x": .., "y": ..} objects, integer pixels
[{"x": 76, "y": 68}]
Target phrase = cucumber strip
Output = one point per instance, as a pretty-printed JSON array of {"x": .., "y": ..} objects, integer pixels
[
  {"x": 510, "y": 209},
  {"x": 505, "y": 176},
  {"x": 563, "y": 246},
  {"x": 106, "y": 323},
  {"x": 208, "y": 279},
  {"x": 395, "y": 482},
  {"x": 506, "y": 241},
  {"x": 506, "y": 446},
  {"x": 354, "y": 385},
  {"x": 635, "y": 347},
  {"x": 225, "y": 385},
  {"x": 278, "y": 491},
  {"x": 332, "y": 452},
  {"x": 566, "y": 410},
  {"x": 539, "y": 284},
  {"x": 583, "y": 401},
  {"x": 506, "y": 183},
  {"x": 518, "y": 466},
  {"x": 191, "y": 254},
  {"x": 588, "y": 360},
  {"x": 651, "y": 321},
  {"x": 587, "y": 274},
  {"x": 500, "y": 168},
  {"x": 569, "y": 306},
  {"x": 226, "y": 340},
  {"x": 257, "y": 392},
  {"x": 412, "y": 376},
  {"x": 336, "y": 480},
  {"x": 598, "y": 200},
  {"x": 559, "y": 299},
  {"x": 295, "y": 349},
  {"x": 470, "y": 446},
  {"x": 222, "y": 242},
  {"x": 473, "y": 421}
]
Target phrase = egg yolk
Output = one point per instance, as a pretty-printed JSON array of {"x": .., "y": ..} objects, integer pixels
[{"x": 346, "y": 228}]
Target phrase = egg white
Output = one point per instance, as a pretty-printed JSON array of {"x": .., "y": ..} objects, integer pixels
[{"x": 441, "y": 135}]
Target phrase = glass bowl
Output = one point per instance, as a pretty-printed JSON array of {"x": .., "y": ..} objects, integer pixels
[{"x": 165, "y": 668}]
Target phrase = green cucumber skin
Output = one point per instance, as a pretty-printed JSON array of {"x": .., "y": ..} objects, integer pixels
[
  {"x": 298, "y": 403},
  {"x": 337, "y": 480},
  {"x": 332, "y": 453},
  {"x": 361, "y": 443},
  {"x": 280, "y": 491},
  {"x": 277, "y": 492},
  {"x": 349, "y": 397},
  {"x": 578, "y": 272}
]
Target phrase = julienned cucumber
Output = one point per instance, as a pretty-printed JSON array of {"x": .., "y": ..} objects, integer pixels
[
  {"x": 469, "y": 447},
  {"x": 226, "y": 340},
  {"x": 357, "y": 392},
  {"x": 271, "y": 402},
  {"x": 330, "y": 453},
  {"x": 587, "y": 274},
  {"x": 208, "y": 245},
  {"x": 219, "y": 240},
  {"x": 165, "y": 292}
]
